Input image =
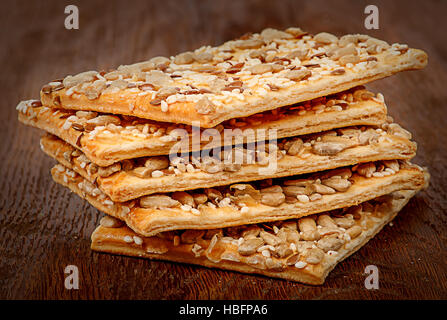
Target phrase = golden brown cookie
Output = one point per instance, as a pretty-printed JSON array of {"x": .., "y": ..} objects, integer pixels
[
  {"x": 303, "y": 250},
  {"x": 263, "y": 71},
  {"x": 106, "y": 139},
  {"x": 134, "y": 178},
  {"x": 248, "y": 203}
]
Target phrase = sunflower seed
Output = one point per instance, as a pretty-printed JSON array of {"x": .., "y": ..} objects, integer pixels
[
  {"x": 330, "y": 244},
  {"x": 249, "y": 246},
  {"x": 158, "y": 202},
  {"x": 313, "y": 255}
]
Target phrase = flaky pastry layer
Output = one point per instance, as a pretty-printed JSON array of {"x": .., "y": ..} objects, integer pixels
[
  {"x": 134, "y": 179},
  {"x": 249, "y": 203},
  {"x": 242, "y": 77},
  {"x": 106, "y": 140},
  {"x": 273, "y": 250}
]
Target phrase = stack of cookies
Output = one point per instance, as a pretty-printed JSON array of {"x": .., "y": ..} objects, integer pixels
[{"x": 263, "y": 155}]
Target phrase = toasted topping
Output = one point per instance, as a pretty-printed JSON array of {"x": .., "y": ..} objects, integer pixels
[
  {"x": 204, "y": 106},
  {"x": 325, "y": 38},
  {"x": 297, "y": 75},
  {"x": 271, "y": 60},
  {"x": 158, "y": 202},
  {"x": 110, "y": 222}
]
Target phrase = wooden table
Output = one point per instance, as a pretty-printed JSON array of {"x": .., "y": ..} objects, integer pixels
[{"x": 44, "y": 227}]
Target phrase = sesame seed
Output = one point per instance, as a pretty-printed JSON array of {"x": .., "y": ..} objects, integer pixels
[
  {"x": 128, "y": 239},
  {"x": 302, "y": 198},
  {"x": 164, "y": 106},
  {"x": 266, "y": 253},
  {"x": 137, "y": 240},
  {"x": 300, "y": 264},
  {"x": 157, "y": 174},
  {"x": 108, "y": 202}
]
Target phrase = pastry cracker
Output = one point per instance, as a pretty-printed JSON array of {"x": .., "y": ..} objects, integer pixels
[
  {"x": 283, "y": 254},
  {"x": 134, "y": 179},
  {"x": 249, "y": 203},
  {"x": 106, "y": 140},
  {"x": 241, "y": 77}
]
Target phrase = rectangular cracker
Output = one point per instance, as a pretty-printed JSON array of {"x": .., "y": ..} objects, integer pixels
[
  {"x": 133, "y": 178},
  {"x": 207, "y": 86},
  {"x": 106, "y": 140},
  {"x": 281, "y": 250},
  {"x": 291, "y": 197}
]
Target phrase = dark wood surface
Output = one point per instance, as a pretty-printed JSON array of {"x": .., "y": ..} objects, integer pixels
[{"x": 44, "y": 228}]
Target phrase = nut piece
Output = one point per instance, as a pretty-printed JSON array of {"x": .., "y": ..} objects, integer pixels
[
  {"x": 298, "y": 75},
  {"x": 293, "y": 191},
  {"x": 270, "y": 189},
  {"x": 397, "y": 130},
  {"x": 260, "y": 68},
  {"x": 311, "y": 235},
  {"x": 321, "y": 189},
  {"x": 213, "y": 194},
  {"x": 142, "y": 172},
  {"x": 330, "y": 243},
  {"x": 157, "y": 163},
  {"x": 252, "y": 231},
  {"x": 71, "y": 81},
  {"x": 300, "y": 54},
  {"x": 183, "y": 197},
  {"x": 110, "y": 222},
  {"x": 354, "y": 231},
  {"x": 249, "y": 246},
  {"x": 119, "y": 84},
  {"x": 94, "y": 90},
  {"x": 274, "y": 265},
  {"x": 158, "y": 202},
  {"x": 184, "y": 58},
  {"x": 366, "y": 169},
  {"x": 203, "y": 57},
  {"x": 103, "y": 120},
  {"x": 104, "y": 172},
  {"x": 249, "y": 44},
  {"x": 283, "y": 250},
  {"x": 294, "y": 147},
  {"x": 292, "y": 260},
  {"x": 341, "y": 52},
  {"x": 270, "y": 238},
  {"x": 241, "y": 189},
  {"x": 337, "y": 183},
  {"x": 192, "y": 236},
  {"x": 165, "y": 92},
  {"x": 325, "y": 220},
  {"x": 349, "y": 59},
  {"x": 392, "y": 164},
  {"x": 307, "y": 224},
  {"x": 325, "y": 38},
  {"x": 296, "y": 32},
  {"x": 313, "y": 255},
  {"x": 329, "y": 148},
  {"x": 270, "y": 34},
  {"x": 86, "y": 114},
  {"x": 204, "y": 106},
  {"x": 158, "y": 79},
  {"x": 200, "y": 198},
  {"x": 273, "y": 199}
]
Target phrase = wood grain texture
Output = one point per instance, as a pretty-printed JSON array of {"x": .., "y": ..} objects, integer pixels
[{"x": 44, "y": 228}]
